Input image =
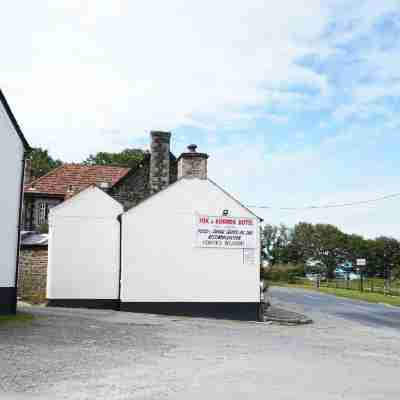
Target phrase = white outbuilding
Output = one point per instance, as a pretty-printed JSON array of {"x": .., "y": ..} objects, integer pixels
[
  {"x": 189, "y": 248},
  {"x": 13, "y": 147},
  {"x": 84, "y": 251}
]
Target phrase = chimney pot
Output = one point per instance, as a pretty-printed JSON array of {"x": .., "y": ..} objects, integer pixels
[{"x": 192, "y": 164}]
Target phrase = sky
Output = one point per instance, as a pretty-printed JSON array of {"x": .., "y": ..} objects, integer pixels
[{"x": 296, "y": 102}]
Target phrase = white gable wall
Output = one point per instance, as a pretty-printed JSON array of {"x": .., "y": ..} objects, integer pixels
[
  {"x": 11, "y": 169},
  {"x": 84, "y": 247},
  {"x": 160, "y": 262}
]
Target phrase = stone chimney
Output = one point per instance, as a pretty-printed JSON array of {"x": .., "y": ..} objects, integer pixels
[
  {"x": 192, "y": 164},
  {"x": 159, "y": 160}
]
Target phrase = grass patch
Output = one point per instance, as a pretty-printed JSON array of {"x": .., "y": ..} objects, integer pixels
[
  {"x": 346, "y": 293},
  {"x": 20, "y": 318}
]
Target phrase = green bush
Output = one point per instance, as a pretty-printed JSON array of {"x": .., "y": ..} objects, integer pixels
[
  {"x": 44, "y": 228},
  {"x": 289, "y": 273}
]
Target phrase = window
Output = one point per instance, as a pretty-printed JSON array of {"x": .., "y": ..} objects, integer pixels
[{"x": 43, "y": 211}]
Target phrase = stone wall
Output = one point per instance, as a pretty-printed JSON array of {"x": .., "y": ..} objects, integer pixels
[
  {"x": 32, "y": 274},
  {"x": 173, "y": 170},
  {"x": 135, "y": 187}
]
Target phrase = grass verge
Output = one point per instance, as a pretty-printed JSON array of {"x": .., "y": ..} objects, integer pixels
[
  {"x": 346, "y": 293},
  {"x": 15, "y": 319}
]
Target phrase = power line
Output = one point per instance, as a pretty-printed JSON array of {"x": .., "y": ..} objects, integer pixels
[{"x": 353, "y": 203}]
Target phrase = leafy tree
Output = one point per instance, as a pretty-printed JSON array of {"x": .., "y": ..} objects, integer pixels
[
  {"x": 386, "y": 255},
  {"x": 323, "y": 247},
  {"x": 283, "y": 251},
  {"x": 269, "y": 238},
  {"x": 276, "y": 244},
  {"x": 126, "y": 158},
  {"x": 357, "y": 247},
  {"x": 373, "y": 267},
  {"x": 302, "y": 234},
  {"x": 321, "y": 243},
  {"x": 41, "y": 162}
]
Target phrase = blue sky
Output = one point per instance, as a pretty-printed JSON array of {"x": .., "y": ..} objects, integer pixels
[{"x": 297, "y": 102}]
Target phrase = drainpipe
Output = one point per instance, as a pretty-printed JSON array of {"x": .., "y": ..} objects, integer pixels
[
  {"x": 21, "y": 200},
  {"x": 119, "y": 218}
]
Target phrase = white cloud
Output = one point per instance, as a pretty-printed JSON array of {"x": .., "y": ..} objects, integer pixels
[
  {"x": 357, "y": 18},
  {"x": 84, "y": 76},
  {"x": 311, "y": 176},
  {"x": 300, "y": 135},
  {"x": 374, "y": 92},
  {"x": 131, "y": 67},
  {"x": 362, "y": 109},
  {"x": 393, "y": 123},
  {"x": 277, "y": 119}
]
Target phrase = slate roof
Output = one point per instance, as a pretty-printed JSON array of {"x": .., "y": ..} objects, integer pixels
[{"x": 68, "y": 179}]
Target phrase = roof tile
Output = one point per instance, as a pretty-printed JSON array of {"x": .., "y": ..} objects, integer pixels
[{"x": 61, "y": 180}]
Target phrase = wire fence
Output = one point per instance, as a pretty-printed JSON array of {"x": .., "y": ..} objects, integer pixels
[{"x": 372, "y": 285}]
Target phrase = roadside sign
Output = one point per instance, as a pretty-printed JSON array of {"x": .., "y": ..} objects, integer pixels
[
  {"x": 361, "y": 262},
  {"x": 227, "y": 232}
]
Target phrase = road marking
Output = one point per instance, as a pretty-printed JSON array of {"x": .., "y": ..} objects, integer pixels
[
  {"x": 390, "y": 305},
  {"x": 372, "y": 354}
]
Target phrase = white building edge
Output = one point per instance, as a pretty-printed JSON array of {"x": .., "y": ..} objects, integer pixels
[{"x": 13, "y": 147}]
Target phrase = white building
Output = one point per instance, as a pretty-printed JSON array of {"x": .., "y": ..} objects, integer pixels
[
  {"x": 181, "y": 255},
  {"x": 13, "y": 147},
  {"x": 190, "y": 248},
  {"x": 84, "y": 247}
]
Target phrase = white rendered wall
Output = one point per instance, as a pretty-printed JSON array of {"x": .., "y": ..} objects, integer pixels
[
  {"x": 84, "y": 247},
  {"x": 11, "y": 156},
  {"x": 160, "y": 262}
]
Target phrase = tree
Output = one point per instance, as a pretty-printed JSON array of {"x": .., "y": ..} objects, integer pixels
[
  {"x": 302, "y": 233},
  {"x": 386, "y": 253},
  {"x": 372, "y": 268},
  {"x": 321, "y": 243},
  {"x": 126, "y": 158},
  {"x": 276, "y": 244},
  {"x": 41, "y": 162},
  {"x": 283, "y": 251},
  {"x": 356, "y": 247},
  {"x": 269, "y": 237},
  {"x": 322, "y": 248}
]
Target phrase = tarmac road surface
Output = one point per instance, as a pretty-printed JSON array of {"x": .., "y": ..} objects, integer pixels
[
  {"x": 361, "y": 312},
  {"x": 94, "y": 355}
]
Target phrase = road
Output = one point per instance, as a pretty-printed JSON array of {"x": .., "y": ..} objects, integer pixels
[
  {"x": 71, "y": 354},
  {"x": 319, "y": 304}
]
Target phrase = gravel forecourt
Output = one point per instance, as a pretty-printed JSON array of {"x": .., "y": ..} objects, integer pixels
[{"x": 96, "y": 354}]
